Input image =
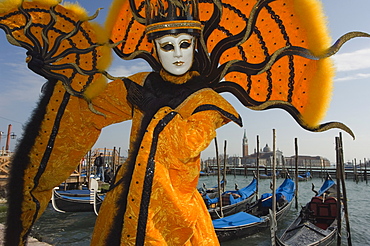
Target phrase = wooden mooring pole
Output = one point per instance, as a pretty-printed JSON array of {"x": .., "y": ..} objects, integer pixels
[
  {"x": 224, "y": 175},
  {"x": 365, "y": 172},
  {"x": 339, "y": 207},
  {"x": 258, "y": 165},
  {"x": 273, "y": 221},
  {"x": 296, "y": 171},
  {"x": 344, "y": 191},
  {"x": 355, "y": 171},
  {"x": 219, "y": 179},
  {"x": 88, "y": 167}
]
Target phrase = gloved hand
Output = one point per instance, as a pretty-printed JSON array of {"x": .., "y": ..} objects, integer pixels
[
  {"x": 142, "y": 98},
  {"x": 35, "y": 62}
]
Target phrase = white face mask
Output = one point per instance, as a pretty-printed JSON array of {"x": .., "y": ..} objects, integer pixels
[{"x": 176, "y": 53}]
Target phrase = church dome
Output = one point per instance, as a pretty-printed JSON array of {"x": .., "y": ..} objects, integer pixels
[{"x": 266, "y": 148}]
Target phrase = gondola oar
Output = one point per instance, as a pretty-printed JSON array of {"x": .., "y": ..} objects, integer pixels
[{"x": 344, "y": 191}]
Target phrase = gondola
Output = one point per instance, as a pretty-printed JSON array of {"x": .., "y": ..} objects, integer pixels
[
  {"x": 265, "y": 176},
  {"x": 305, "y": 176},
  {"x": 65, "y": 201},
  {"x": 73, "y": 193},
  {"x": 317, "y": 221},
  {"x": 210, "y": 193},
  {"x": 268, "y": 175},
  {"x": 233, "y": 201},
  {"x": 256, "y": 218}
]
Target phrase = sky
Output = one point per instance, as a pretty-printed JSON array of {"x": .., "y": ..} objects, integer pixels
[{"x": 20, "y": 90}]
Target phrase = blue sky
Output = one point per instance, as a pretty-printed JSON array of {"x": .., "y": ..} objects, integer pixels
[{"x": 20, "y": 89}]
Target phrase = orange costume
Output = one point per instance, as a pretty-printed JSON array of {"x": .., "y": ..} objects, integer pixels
[
  {"x": 268, "y": 53},
  {"x": 159, "y": 203}
]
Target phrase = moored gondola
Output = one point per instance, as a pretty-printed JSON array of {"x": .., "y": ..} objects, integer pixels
[
  {"x": 305, "y": 176},
  {"x": 256, "y": 218},
  {"x": 317, "y": 220},
  {"x": 232, "y": 201},
  {"x": 89, "y": 201}
]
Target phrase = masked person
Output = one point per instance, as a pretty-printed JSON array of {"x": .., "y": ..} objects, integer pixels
[
  {"x": 174, "y": 114},
  {"x": 174, "y": 119}
]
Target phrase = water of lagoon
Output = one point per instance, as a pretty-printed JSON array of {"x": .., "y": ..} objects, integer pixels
[{"x": 74, "y": 229}]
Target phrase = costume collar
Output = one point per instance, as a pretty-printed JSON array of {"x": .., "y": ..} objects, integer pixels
[{"x": 175, "y": 79}]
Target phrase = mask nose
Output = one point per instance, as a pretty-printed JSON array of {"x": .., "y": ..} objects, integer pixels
[{"x": 177, "y": 52}]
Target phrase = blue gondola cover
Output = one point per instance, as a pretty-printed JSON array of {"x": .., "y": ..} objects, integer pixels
[{"x": 237, "y": 219}]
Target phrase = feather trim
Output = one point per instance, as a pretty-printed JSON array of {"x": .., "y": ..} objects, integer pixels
[{"x": 320, "y": 91}]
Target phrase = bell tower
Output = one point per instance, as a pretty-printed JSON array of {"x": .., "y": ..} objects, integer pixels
[{"x": 245, "y": 144}]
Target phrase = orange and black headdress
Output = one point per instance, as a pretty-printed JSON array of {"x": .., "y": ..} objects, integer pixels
[
  {"x": 268, "y": 53},
  {"x": 171, "y": 17}
]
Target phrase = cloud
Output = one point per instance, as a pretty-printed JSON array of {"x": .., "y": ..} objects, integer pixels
[
  {"x": 127, "y": 68},
  {"x": 352, "y": 65},
  {"x": 359, "y": 59},
  {"x": 353, "y": 77}
]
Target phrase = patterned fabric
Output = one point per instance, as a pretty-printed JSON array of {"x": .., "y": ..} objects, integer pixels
[
  {"x": 268, "y": 53},
  {"x": 162, "y": 203}
]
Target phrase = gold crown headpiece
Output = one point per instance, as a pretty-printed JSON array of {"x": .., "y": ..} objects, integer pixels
[{"x": 171, "y": 17}]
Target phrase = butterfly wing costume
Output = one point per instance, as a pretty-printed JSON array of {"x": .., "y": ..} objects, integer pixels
[{"x": 269, "y": 54}]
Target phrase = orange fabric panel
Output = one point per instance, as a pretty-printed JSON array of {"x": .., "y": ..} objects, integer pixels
[
  {"x": 177, "y": 214},
  {"x": 79, "y": 129}
]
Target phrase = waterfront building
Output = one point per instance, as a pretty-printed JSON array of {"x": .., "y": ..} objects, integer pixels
[
  {"x": 265, "y": 159},
  {"x": 305, "y": 161}
]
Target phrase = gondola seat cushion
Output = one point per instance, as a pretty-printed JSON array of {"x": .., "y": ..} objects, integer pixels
[
  {"x": 324, "y": 211},
  {"x": 229, "y": 198}
]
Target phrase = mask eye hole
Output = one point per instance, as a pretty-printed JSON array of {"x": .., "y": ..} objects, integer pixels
[
  {"x": 167, "y": 46},
  {"x": 185, "y": 44}
]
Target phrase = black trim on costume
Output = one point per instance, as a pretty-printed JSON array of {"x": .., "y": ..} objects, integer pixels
[
  {"x": 48, "y": 150},
  {"x": 173, "y": 94},
  {"x": 115, "y": 232},
  {"x": 18, "y": 165},
  {"x": 150, "y": 169},
  {"x": 148, "y": 181},
  {"x": 114, "y": 235},
  {"x": 205, "y": 107}
]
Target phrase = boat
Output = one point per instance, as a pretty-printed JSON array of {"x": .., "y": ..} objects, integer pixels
[
  {"x": 305, "y": 176},
  {"x": 73, "y": 193},
  {"x": 202, "y": 173},
  {"x": 265, "y": 176},
  {"x": 268, "y": 175},
  {"x": 317, "y": 220},
  {"x": 256, "y": 217},
  {"x": 212, "y": 192},
  {"x": 77, "y": 201},
  {"x": 233, "y": 201}
]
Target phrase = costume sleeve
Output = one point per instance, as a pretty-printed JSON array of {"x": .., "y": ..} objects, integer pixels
[
  {"x": 60, "y": 132},
  {"x": 196, "y": 133}
]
